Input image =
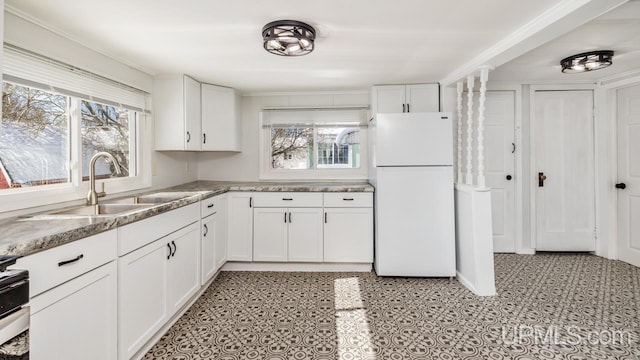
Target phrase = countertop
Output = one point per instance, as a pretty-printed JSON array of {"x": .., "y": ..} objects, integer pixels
[{"x": 26, "y": 235}]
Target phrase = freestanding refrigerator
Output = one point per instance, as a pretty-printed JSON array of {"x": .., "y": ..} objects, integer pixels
[{"x": 411, "y": 167}]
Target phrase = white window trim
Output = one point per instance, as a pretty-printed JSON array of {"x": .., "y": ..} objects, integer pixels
[
  {"x": 268, "y": 173},
  {"x": 76, "y": 189}
]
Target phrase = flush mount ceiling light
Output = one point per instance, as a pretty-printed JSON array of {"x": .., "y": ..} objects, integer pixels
[
  {"x": 288, "y": 38},
  {"x": 588, "y": 61}
]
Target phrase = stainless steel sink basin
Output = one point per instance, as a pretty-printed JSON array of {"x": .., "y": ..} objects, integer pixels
[
  {"x": 157, "y": 198},
  {"x": 100, "y": 210}
]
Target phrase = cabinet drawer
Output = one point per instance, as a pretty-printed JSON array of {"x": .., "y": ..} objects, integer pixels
[
  {"x": 143, "y": 232},
  {"x": 53, "y": 267},
  {"x": 348, "y": 199},
  {"x": 210, "y": 206},
  {"x": 287, "y": 199}
]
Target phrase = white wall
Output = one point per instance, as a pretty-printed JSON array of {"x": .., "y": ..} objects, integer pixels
[{"x": 245, "y": 166}]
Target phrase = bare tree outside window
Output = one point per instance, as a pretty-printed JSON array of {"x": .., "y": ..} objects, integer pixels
[
  {"x": 291, "y": 148},
  {"x": 34, "y": 137}
]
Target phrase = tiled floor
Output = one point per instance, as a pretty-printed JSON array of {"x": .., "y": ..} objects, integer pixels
[{"x": 549, "y": 306}]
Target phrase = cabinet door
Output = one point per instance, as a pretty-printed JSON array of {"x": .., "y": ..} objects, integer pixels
[
  {"x": 142, "y": 300},
  {"x": 348, "y": 235},
  {"x": 240, "y": 233},
  {"x": 220, "y": 121},
  {"x": 220, "y": 246},
  {"x": 183, "y": 278},
  {"x": 77, "y": 320},
  {"x": 270, "y": 234},
  {"x": 192, "y": 116},
  {"x": 423, "y": 98},
  {"x": 388, "y": 99},
  {"x": 208, "y": 247},
  {"x": 305, "y": 235}
]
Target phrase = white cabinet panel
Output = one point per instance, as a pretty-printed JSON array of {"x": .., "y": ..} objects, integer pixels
[
  {"x": 221, "y": 125},
  {"x": 77, "y": 320},
  {"x": 207, "y": 249},
  {"x": 184, "y": 266},
  {"x": 305, "y": 234},
  {"x": 220, "y": 243},
  {"x": 388, "y": 99},
  {"x": 288, "y": 199},
  {"x": 405, "y": 98},
  {"x": 347, "y": 199},
  {"x": 142, "y": 296},
  {"x": 192, "y": 115},
  {"x": 423, "y": 98},
  {"x": 270, "y": 234},
  {"x": 348, "y": 235},
  {"x": 240, "y": 232}
]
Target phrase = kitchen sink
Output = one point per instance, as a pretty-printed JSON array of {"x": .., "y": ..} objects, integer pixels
[
  {"x": 100, "y": 210},
  {"x": 154, "y": 199}
]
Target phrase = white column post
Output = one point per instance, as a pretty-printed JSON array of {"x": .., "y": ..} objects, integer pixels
[
  {"x": 470, "y": 83},
  {"x": 460, "y": 89},
  {"x": 484, "y": 76}
]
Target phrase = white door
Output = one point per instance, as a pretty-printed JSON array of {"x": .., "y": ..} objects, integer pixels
[
  {"x": 77, "y": 320},
  {"x": 389, "y": 99},
  {"x": 142, "y": 299},
  {"x": 208, "y": 247},
  {"x": 500, "y": 167},
  {"x": 192, "y": 113},
  {"x": 270, "y": 234},
  {"x": 563, "y": 174},
  {"x": 423, "y": 98},
  {"x": 629, "y": 175},
  {"x": 183, "y": 279},
  {"x": 240, "y": 232},
  {"x": 305, "y": 235},
  {"x": 348, "y": 235},
  {"x": 218, "y": 115}
]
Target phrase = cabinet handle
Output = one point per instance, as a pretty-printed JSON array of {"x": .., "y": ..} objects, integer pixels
[
  {"x": 188, "y": 136},
  {"x": 403, "y": 108},
  {"x": 67, "y": 262},
  {"x": 285, "y": 217},
  {"x": 204, "y": 138},
  {"x": 347, "y": 199},
  {"x": 210, "y": 205},
  {"x": 289, "y": 217},
  {"x": 175, "y": 248},
  {"x": 170, "y": 251},
  {"x": 287, "y": 199},
  {"x": 206, "y": 230},
  {"x": 325, "y": 217},
  {"x": 408, "y": 108},
  {"x": 251, "y": 201}
]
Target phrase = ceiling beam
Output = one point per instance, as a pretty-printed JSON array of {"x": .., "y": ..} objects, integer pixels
[{"x": 558, "y": 20}]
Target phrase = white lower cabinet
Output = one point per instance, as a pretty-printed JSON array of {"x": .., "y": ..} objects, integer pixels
[
  {"x": 210, "y": 226},
  {"x": 348, "y": 235},
  {"x": 287, "y": 234},
  {"x": 220, "y": 242},
  {"x": 240, "y": 232},
  {"x": 154, "y": 282},
  {"x": 77, "y": 320}
]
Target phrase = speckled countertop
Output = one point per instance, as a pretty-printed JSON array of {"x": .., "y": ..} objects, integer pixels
[{"x": 25, "y": 235}]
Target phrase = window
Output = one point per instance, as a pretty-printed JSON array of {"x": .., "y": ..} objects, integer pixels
[
  {"x": 34, "y": 137},
  {"x": 55, "y": 117},
  {"x": 322, "y": 144}
]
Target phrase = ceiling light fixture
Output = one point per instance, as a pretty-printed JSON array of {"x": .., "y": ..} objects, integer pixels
[
  {"x": 288, "y": 38},
  {"x": 588, "y": 61}
]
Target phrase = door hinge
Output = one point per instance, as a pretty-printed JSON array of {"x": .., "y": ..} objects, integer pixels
[{"x": 595, "y": 233}]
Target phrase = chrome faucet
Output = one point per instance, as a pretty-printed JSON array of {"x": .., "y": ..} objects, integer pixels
[{"x": 92, "y": 196}]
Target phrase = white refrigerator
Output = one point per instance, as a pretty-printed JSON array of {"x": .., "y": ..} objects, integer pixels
[{"x": 411, "y": 168}]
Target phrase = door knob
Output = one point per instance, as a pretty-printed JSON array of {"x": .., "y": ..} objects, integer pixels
[
  {"x": 541, "y": 179},
  {"x": 621, "y": 186},
  {"x": 509, "y": 177}
]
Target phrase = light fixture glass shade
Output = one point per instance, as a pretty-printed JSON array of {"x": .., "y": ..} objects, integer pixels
[
  {"x": 288, "y": 38},
  {"x": 588, "y": 61}
]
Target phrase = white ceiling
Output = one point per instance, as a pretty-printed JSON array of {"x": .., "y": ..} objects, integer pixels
[
  {"x": 618, "y": 30},
  {"x": 360, "y": 42}
]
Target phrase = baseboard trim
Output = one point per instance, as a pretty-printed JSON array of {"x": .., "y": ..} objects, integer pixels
[
  {"x": 298, "y": 267},
  {"x": 464, "y": 281}
]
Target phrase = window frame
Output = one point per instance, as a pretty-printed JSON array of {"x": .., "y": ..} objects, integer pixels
[
  {"x": 338, "y": 174},
  {"x": 77, "y": 189}
]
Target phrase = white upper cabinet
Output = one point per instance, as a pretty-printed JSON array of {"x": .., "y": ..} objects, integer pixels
[
  {"x": 405, "y": 98},
  {"x": 177, "y": 113},
  {"x": 192, "y": 116},
  {"x": 221, "y": 125}
]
